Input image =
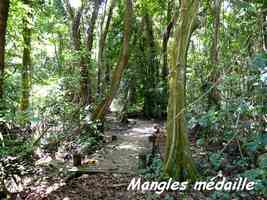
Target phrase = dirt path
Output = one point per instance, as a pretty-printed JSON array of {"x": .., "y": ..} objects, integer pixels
[
  {"x": 119, "y": 159},
  {"x": 122, "y": 154},
  {"x": 116, "y": 164}
]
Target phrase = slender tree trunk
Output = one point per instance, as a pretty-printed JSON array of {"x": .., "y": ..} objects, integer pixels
[
  {"x": 76, "y": 35},
  {"x": 85, "y": 89},
  {"x": 151, "y": 71},
  {"x": 166, "y": 35},
  {"x": 103, "y": 107},
  {"x": 264, "y": 25},
  {"x": 60, "y": 57},
  {"x": 85, "y": 81},
  {"x": 178, "y": 159},
  {"x": 85, "y": 95},
  {"x": 194, "y": 27},
  {"x": 26, "y": 61},
  {"x": 101, "y": 46},
  {"x": 4, "y": 8},
  {"x": 214, "y": 95},
  {"x": 126, "y": 102},
  {"x": 79, "y": 47},
  {"x": 91, "y": 28}
]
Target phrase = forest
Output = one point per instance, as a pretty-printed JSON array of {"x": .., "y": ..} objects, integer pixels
[{"x": 133, "y": 99}]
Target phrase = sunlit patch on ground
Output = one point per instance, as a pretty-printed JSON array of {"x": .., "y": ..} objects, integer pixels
[
  {"x": 129, "y": 146},
  {"x": 143, "y": 130}
]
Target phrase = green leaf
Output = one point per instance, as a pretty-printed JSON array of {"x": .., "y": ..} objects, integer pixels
[
  {"x": 262, "y": 161},
  {"x": 200, "y": 141},
  {"x": 253, "y": 173},
  {"x": 216, "y": 160},
  {"x": 251, "y": 146}
]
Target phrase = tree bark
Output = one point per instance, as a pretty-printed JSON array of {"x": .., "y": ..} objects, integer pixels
[
  {"x": 178, "y": 159},
  {"x": 166, "y": 36},
  {"x": 151, "y": 70},
  {"x": 75, "y": 17},
  {"x": 101, "y": 46},
  {"x": 26, "y": 60},
  {"x": 264, "y": 26},
  {"x": 85, "y": 81},
  {"x": 103, "y": 107},
  {"x": 91, "y": 28},
  {"x": 214, "y": 95},
  {"x": 4, "y": 8},
  {"x": 58, "y": 51}
]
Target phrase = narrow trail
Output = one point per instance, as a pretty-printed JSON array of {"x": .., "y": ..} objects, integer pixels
[
  {"x": 131, "y": 140},
  {"x": 117, "y": 163},
  {"x": 119, "y": 159}
]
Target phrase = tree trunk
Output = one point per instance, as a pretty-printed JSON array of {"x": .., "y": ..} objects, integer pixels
[
  {"x": 264, "y": 25},
  {"x": 90, "y": 30},
  {"x": 214, "y": 95},
  {"x": 4, "y": 8},
  {"x": 26, "y": 61},
  {"x": 85, "y": 89},
  {"x": 195, "y": 26},
  {"x": 59, "y": 55},
  {"x": 101, "y": 46},
  {"x": 151, "y": 71},
  {"x": 123, "y": 118},
  {"x": 103, "y": 107},
  {"x": 178, "y": 159},
  {"x": 165, "y": 40},
  {"x": 76, "y": 34},
  {"x": 85, "y": 81}
]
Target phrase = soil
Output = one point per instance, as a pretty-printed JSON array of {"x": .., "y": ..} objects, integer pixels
[{"x": 110, "y": 169}]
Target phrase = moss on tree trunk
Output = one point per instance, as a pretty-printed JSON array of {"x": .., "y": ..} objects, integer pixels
[
  {"x": 214, "y": 94},
  {"x": 178, "y": 159},
  {"x": 4, "y": 7},
  {"x": 102, "y": 108},
  {"x": 151, "y": 70},
  {"x": 26, "y": 61}
]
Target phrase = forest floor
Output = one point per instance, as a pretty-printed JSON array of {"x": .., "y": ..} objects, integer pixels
[
  {"x": 106, "y": 173},
  {"x": 116, "y": 163}
]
